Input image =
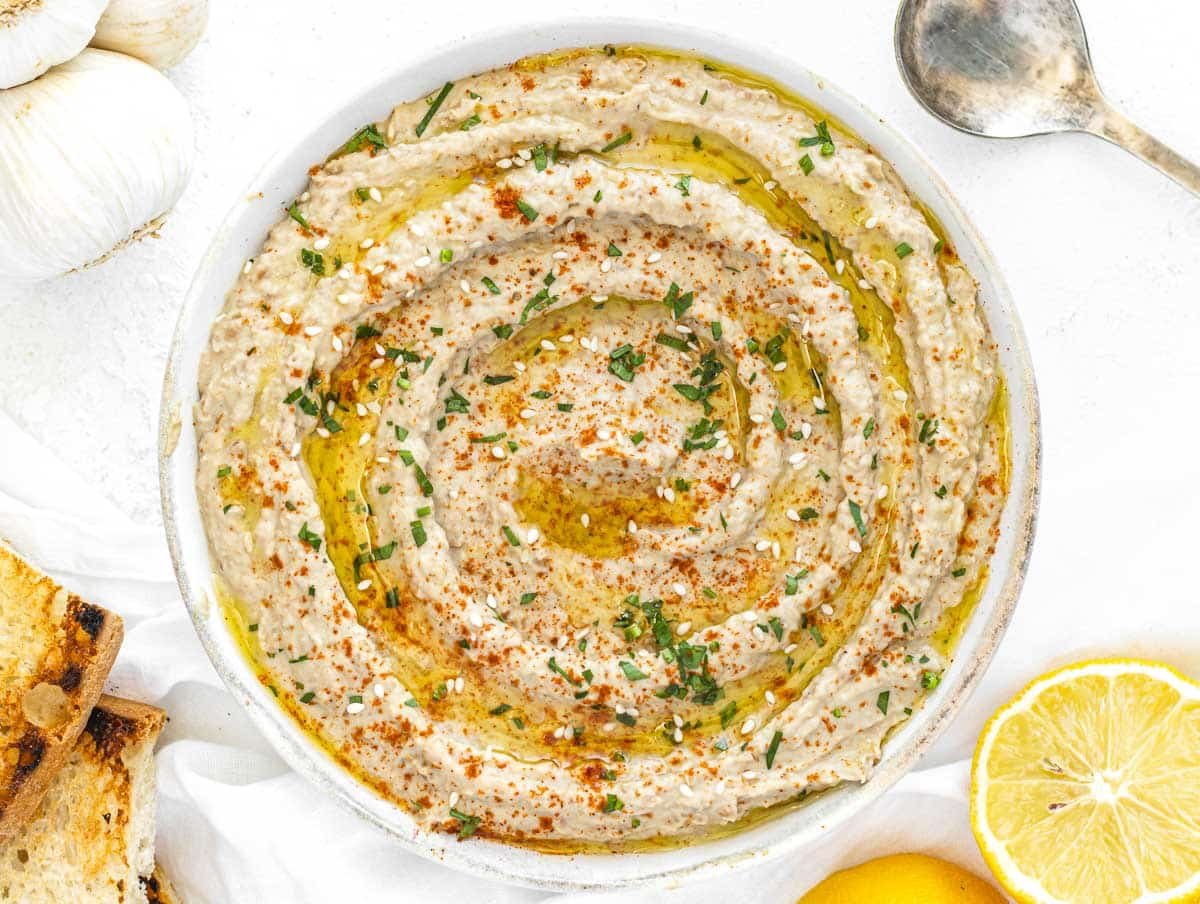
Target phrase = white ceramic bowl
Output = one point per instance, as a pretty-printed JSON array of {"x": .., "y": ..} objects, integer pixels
[{"x": 241, "y": 236}]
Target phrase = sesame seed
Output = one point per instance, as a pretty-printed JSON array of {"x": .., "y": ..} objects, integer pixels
[
  {"x": 346, "y": 297},
  {"x": 491, "y": 601},
  {"x": 805, "y": 429},
  {"x": 366, "y": 243},
  {"x": 792, "y": 515},
  {"x": 679, "y": 588},
  {"x": 605, "y": 266},
  {"x": 246, "y": 266},
  {"x": 756, "y": 418},
  {"x": 797, "y": 458},
  {"x": 527, "y": 413},
  {"x": 364, "y": 584},
  {"x": 840, "y": 266},
  {"x": 323, "y": 433},
  {"x": 296, "y": 447},
  {"x": 560, "y": 255},
  {"x": 525, "y": 154},
  {"x": 465, "y": 286},
  {"x": 780, "y": 366},
  {"x": 872, "y": 222},
  {"x": 762, "y": 545},
  {"x": 608, "y": 727},
  {"x": 375, "y": 194},
  {"x": 653, "y": 257},
  {"x": 826, "y": 609},
  {"x": 864, "y": 284},
  {"x": 750, "y": 615},
  {"x": 475, "y": 619},
  {"x": 379, "y": 691},
  {"x": 882, "y": 492},
  {"x": 497, "y": 451},
  {"x": 775, "y": 548},
  {"x": 547, "y": 345},
  {"x": 364, "y": 439},
  {"x": 770, "y": 185},
  {"x": 453, "y": 799},
  {"x": 568, "y": 338},
  {"x": 287, "y": 318},
  {"x": 683, "y": 328},
  {"x": 727, "y": 454},
  {"x": 819, "y": 403},
  {"x": 458, "y": 685},
  {"x": 749, "y": 775},
  {"x": 748, "y": 726},
  {"x": 519, "y": 367},
  {"x": 770, "y": 698},
  {"x": 678, "y": 736},
  {"x": 735, "y": 480},
  {"x": 603, "y": 434},
  {"x": 558, "y": 732},
  {"x": 632, "y": 526},
  {"x": 585, "y": 519},
  {"x": 599, "y": 298},
  {"x": 533, "y": 535},
  {"x": 683, "y": 627},
  {"x": 503, "y": 163},
  {"x": 900, "y": 395},
  {"x": 321, "y": 244},
  {"x": 668, "y": 494},
  {"x": 354, "y": 709},
  {"x": 337, "y": 344},
  {"x": 855, "y": 546},
  {"x": 685, "y": 790},
  {"x": 423, "y": 261}
]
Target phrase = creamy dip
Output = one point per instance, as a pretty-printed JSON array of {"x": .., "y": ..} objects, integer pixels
[{"x": 602, "y": 449}]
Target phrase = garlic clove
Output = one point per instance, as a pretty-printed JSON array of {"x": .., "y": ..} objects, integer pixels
[
  {"x": 38, "y": 34},
  {"x": 160, "y": 32},
  {"x": 91, "y": 155}
]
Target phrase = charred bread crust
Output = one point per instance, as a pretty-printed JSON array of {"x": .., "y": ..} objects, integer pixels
[
  {"x": 68, "y": 680},
  {"x": 158, "y": 888},
  {"x": 117, "y": 723}
]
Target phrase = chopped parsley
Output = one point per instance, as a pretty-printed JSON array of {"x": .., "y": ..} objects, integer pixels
[
  {"x": 434, "y": 105},
  {"x": 624, "y": 138}
]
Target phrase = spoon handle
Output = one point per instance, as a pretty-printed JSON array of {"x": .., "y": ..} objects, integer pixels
[{"x": 1113, "y": 126}]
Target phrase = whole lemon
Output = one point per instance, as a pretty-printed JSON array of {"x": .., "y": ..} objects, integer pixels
[{"x": 903, "y": 879}]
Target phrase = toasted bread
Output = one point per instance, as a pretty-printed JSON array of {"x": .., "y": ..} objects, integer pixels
[
  {"x": 55, "y": 652},
  {"x": 158, "y": 888},
  {"x": 92, "y": 836}
]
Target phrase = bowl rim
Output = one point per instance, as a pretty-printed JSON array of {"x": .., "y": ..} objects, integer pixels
[{"x": 243, "y": 229}]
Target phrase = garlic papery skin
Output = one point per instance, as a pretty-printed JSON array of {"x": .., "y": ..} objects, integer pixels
[
  {"x": 38, "y": 34},
  {"x": 91, "y": 154},
  {"x": 160, "y": 32}
]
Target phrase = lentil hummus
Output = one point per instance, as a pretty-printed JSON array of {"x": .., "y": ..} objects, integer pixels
[{"x": 602, "y": 449}]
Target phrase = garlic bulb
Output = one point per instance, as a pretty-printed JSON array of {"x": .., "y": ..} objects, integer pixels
[
  {"x": 38, "y": 34},
  {"x": 91, "y": 154},
  {"x": 161, "y": 32}
]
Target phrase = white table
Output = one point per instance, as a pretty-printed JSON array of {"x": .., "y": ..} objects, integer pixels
[{"x": 1102, "y": 255}]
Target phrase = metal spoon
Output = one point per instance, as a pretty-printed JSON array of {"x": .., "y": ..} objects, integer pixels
[{"x": 1012, "y": 68}]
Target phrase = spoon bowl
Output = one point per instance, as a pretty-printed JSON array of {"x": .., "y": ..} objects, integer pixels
[{"x": 1014, "y": 68}]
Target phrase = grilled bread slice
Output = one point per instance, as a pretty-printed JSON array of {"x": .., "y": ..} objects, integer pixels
[
  {"x": 55, "y": 652},
  {"x": 158, "y": 888},
  {"x": 92, "y": 836}
]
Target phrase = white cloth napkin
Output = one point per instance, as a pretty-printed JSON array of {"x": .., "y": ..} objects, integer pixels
[{"x": 237, "y": 825}]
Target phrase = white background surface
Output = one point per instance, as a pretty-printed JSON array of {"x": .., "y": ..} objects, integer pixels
[{"x": 1101, "y": 253}]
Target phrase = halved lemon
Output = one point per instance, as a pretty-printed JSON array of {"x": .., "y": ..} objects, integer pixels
[{"x": 1085, "y": 788}]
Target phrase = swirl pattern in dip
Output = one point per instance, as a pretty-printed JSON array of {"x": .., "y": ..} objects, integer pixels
[{"x": 604, "y": 448}]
